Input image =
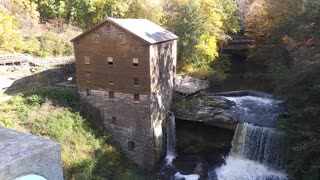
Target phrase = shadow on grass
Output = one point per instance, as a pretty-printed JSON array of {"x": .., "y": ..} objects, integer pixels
[{"x": 41, "y": 79}]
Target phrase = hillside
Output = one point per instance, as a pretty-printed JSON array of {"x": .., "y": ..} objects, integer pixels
[{"x": 39, "y": 108}]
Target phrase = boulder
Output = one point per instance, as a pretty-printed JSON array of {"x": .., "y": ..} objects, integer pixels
[{"x": 212, "y": 110}]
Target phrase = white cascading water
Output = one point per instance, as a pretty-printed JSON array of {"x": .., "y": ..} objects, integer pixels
[
  {"x": 171, "y": 140},
  {"x": 256, "y": 152},
  {"x": 171, "y": 149},
  {"x": 256, "y": 110},
  {"x": 261, "y": 144}
]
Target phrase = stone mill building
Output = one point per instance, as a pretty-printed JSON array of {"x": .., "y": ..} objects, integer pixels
[{"x": 126, "y": 69}]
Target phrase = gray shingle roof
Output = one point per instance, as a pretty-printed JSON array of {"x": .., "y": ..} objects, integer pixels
[{"x": 142, "y": 28}]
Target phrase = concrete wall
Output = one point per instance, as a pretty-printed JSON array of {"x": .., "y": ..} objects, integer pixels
[{"x": 23, "y": 154}]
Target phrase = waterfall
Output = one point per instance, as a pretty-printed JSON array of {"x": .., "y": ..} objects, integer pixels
[
  {"x": 256, "y": 110},
  {"x": 243, "y": 169},
  {"x": 261, "y": 144},
  {"x": 257, "y": 148},
  {"x": 171, "y": 140}
]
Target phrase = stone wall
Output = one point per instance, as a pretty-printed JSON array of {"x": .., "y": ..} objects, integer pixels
[
  {"x": 163, "y": 68},
  {"x": 127, "y": 120}
]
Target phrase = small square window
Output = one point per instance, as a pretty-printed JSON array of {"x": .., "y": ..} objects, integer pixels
[
  {"x": 130, "y": 146},
  {"x": 108, "y": 28},
  {"x": 96, "y": 38},
  {"x": 88, "y": 77},
  {"x": 136, "y": 97},
  {"x": 135, "y": 81},
  {"x": 111, "y": 95},
  {"x": 86, "y": 59},
  {"x": 135, "y": 62},
  {"x": 110, "y": 60},
  {"x": 113, "y": 120},
  {"x": 88, "y": 92},
  {"x": 122, "y": 38}
]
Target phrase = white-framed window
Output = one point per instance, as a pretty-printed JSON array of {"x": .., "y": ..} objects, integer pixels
[
  {"x": 86, "y": 59},
  {"x": 110, "y": 60},
  {"x": 97, "y": 38},
  {"x": 135, "y": 61},
  {"x": 122, "y": 37}
]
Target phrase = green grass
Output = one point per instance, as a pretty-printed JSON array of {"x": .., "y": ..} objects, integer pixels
[{"x": 54, "y": 113}]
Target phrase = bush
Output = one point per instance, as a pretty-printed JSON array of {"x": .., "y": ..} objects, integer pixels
[
  {"x": 31, "y": 45},
  {"x": 34, "y": 100}
]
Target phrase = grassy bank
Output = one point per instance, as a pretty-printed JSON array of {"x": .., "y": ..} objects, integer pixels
[{"x": 54, "y": 113}]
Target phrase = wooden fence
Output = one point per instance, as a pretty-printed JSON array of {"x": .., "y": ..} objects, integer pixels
[{"x": 12, "y": 59}]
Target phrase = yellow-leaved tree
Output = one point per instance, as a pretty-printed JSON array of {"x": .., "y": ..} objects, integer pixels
[{"x": 10, "y": 35}]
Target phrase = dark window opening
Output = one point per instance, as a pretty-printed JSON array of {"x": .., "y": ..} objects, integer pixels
[
  {"x": 135, "y": 81},
  {"x": 110, "y": 60},
  {"x": 130, "y": 145},
  {"x": 88, "y": 92},
  {"x": 111, "y": 94},
  {"x": 113, "y": 120},
  {"x": 108, "y": 28},
  {"x": 135, "y": 62},
  {"x": 136, "y": 97}
]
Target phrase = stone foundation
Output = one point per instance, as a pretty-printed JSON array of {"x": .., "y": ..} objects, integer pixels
[{"x": 128, "y": 121}]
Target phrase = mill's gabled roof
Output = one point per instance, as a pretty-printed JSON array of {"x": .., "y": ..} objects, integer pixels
[{"x": 142, "y": 28}]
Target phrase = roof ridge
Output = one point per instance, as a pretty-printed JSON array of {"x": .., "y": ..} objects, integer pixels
[{"x": 142, "y": 28}]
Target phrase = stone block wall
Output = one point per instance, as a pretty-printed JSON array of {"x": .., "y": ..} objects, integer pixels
[
  {"x": 163, "y": 68},
  {"x": 127, "y": 120}
]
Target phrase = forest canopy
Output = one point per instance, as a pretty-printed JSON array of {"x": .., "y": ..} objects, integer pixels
[
  {"x": 288, "y": 40},
  {"x": 44, "y": 27}
]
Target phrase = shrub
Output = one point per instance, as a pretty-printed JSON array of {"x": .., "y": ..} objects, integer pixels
[
  {"x": 34, "y": 100},
  {"x": 31, "y": 45}
]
